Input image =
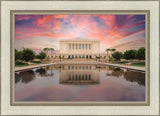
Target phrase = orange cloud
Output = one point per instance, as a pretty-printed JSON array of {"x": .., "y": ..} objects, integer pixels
[{"x": 109, "y": 29}]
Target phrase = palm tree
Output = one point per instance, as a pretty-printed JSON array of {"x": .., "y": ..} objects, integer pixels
[
  {"x": 51, "y": 49},
  {"x": 113, "y": 50},
  {"x": 107, "y": 52},
  {"x": 108, "y": 49},
  {"x": 46, "y": 49}
]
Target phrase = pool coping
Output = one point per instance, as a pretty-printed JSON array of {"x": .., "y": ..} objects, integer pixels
[{"x": 142, "y": 69}]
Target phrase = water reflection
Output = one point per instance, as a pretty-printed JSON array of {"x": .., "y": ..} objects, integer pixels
[
  {"x": 116, "y": 72},
  {"x": 129, "y": 75},
  {"x": 79, "y": 74},
  {"x": 43, "y": 72},
  {"x": 25, "y": 77},
  {"x": 135, "y": 77},
  {"x": 28, "y": 76},
  {"x": 79, "y": 83}
]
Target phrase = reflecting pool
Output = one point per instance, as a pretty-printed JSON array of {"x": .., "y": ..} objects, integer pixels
[{"x": 79, "y": 83}]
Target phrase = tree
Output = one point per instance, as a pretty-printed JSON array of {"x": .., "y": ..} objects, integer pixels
[
  {"x": 141, "y": 53},
  {"x": 107, "y": 52},
  {"x": 41, "y": 55},
  {"x": 28, "y": 54},
  {"x": 18, "y": 55},
  {"x": 112, "y": 50},
  {"x": 46, "y": 49},
  {"x": 117, "y": 55},
  {"x": 51, "y": 49},
  {"x": 108, "y": 49},
  {"x": 130, "y": 54}
]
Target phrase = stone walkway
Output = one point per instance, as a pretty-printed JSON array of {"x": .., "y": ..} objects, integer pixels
[
  {"x": 102, "y": 63},
  {"x": 89, "y": 62},
  {"x": 31, "y": 67},
  {"x": 127, "y": 67},
  {"x": 79, "y": 62}
]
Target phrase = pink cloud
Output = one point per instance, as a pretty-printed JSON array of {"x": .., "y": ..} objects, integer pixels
[{"x": 106, "y": 28}]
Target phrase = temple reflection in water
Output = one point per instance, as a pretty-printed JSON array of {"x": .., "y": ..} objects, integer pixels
[
  {"x": 79, "y": 74},
  {"x": 80, "y": 83}
]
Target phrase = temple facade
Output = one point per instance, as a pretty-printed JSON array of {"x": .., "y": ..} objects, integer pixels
[{"x": 79, "y": 48}]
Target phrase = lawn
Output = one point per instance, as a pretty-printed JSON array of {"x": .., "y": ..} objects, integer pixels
[
  {"x": 123, "y": 62},
  {"x": 20, "y": 64},
  {"x": 138, "y": 64},
  {"x": 36, "y": 62}
]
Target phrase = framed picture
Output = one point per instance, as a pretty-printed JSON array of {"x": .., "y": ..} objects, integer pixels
[{"x": 80, "y": 57}]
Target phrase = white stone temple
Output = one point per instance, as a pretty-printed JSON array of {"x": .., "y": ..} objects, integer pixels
[{"x": 79, "y": 48}]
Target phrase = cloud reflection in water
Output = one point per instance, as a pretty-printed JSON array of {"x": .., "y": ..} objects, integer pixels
[{"x": 62, "y": 83}]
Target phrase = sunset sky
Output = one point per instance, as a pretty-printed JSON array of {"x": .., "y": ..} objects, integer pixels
[{"x": 121, "y": 32}]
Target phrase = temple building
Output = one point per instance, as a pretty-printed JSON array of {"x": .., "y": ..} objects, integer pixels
[{"x": 79, "y": 48}]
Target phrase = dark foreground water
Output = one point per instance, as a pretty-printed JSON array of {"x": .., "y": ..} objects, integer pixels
[{"x": 79, "y": 83}]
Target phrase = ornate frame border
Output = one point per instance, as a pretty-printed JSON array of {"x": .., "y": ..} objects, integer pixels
[
  {"x": 102, "y": 103},
  {"x": 79, "y": 104}
]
